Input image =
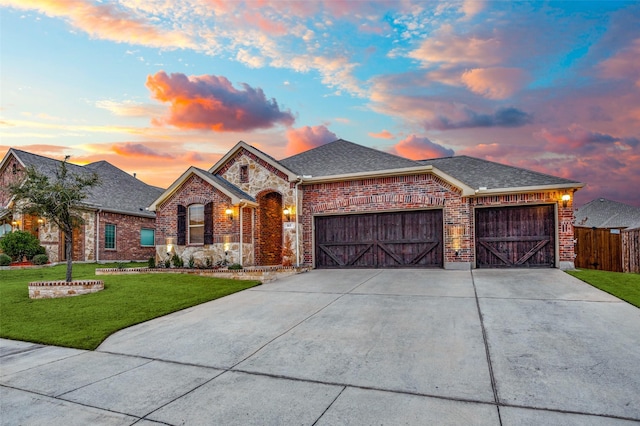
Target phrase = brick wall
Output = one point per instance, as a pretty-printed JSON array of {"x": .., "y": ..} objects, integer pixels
[
  {"x": 387, "y": 194},
  {"x": 128, "y": 244},
  {"x": 420, "y": 192},
  {"x": 269, "y": 229}
]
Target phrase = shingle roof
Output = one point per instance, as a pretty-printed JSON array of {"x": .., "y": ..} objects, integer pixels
[
  {"x": 477, "y": 173},
  {"x": 117, "y": 190},
  {"x": 228, "y": 185},
  {"x": 343, "y": 157},
  {"x": 603, "y": 213}
]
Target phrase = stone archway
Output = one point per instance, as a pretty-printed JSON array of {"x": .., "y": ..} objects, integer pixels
[{"x": 269, "y": 249}]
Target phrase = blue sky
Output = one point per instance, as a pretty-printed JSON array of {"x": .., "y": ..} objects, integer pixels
[{"x": 157, "y": 86}]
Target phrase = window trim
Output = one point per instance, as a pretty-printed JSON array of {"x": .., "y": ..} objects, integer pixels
[
  {"x": 115, "y": 239},
  {"x": 154, "y": 237}
]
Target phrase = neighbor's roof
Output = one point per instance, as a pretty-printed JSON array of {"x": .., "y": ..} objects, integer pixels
[
  {"x": 117, "y": 191},
  {"x": 603, "y": 213},
  {"x": 478, "y": 173}
]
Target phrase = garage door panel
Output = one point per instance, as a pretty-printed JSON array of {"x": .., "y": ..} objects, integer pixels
[
  {"x": 398, "y": 239},
  {"x": 515, "y": 237}
]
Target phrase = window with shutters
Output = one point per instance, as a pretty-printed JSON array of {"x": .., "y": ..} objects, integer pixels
[{"x": 196, "y": 224}]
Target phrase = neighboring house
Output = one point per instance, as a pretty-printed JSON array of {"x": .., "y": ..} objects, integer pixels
[
  {"x": 117, "y": 225},
  {"x": 346, "y": 205},
  {"x": 608, "y": 236}
]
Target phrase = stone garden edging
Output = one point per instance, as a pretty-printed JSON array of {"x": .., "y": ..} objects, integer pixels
[
  {"x": 263, "y": 274},
  {"x": 54, "y": 289}
]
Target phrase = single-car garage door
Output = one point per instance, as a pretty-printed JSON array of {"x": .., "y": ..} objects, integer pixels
[
  {"x": 520, "y": 236},
  {"x": 379, "y": 240}
]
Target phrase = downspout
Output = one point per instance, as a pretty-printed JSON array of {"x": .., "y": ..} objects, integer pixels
[{"x": 98, "y": 235}]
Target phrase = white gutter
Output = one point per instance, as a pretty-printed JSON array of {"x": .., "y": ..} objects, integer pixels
[{"x": 520, "y": 189}]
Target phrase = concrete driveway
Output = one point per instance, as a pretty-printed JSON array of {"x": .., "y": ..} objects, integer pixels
[{"x": 487, "y": 347}]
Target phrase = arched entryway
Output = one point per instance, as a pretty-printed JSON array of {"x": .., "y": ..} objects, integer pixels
[{"x": 269, "y": 248}]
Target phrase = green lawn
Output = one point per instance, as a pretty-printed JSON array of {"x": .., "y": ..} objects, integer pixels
[
  {"x": 85, "y": 321},
  {"x": 623, "y": 286}
]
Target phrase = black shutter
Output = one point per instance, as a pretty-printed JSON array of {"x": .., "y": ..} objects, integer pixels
[
  {"x": 208, "y": 223},
  {"x": 182, "y": 225}
]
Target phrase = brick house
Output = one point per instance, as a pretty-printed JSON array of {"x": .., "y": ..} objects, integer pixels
[
  {"x": 346, "y": 205},
  {"x": 117, "y": 224}
]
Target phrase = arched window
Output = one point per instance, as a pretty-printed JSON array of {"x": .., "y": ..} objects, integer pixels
[{"x": 196, "y": 224}]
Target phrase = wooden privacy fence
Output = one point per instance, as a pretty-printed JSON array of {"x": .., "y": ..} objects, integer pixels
[{"x": 608, "y": 249}]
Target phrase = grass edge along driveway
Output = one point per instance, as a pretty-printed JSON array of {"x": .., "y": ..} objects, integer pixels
[
  {"x": 625, "y": 286},
  {"x": 83, "y": 322}
]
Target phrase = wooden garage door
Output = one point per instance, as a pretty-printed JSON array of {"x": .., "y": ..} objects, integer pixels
[
  {"x": 380, "y": 240},
  {"x": 515, "y": 237}
]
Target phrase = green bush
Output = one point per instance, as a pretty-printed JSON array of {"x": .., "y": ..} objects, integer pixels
[
  {"x": 4, "y": 260},
  {"x": 235, "y": 266},
  {"x": 151, "y": 263},
  {"x": 40, "y": 259},
  {"x": 192, "y": 262},
  {"x": 19, "y": 244},
  {"x": 177, "y": 261}
]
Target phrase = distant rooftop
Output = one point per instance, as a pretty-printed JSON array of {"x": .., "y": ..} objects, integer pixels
[
  {"x": 603, "y": 213},
  {"x": 117, "y": 190}
]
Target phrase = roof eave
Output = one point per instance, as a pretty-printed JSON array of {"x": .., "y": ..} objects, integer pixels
[
  {"x": 405, "y": 171},
  {"x": 528, "y": 189},
  {"x": 235, "y": 200}
]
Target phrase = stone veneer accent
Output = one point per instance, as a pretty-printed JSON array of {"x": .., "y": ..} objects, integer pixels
[{"x": 55, "y": 289}]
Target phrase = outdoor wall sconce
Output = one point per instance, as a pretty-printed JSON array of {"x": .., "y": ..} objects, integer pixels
[
  {"x": 565, "y": 199},
  {"x": 15, "y": 224},
  {"x": 229, "y": 213},
  {"x": 41, "y": 221},
  {"x": 287, "y": 214}
]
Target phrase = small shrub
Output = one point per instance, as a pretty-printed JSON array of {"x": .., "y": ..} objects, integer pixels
[
  {"x": 120, "y": 265},
  {"x": 4, "y": 260},
  {"x": 18, "y": 244},
  {"x": 40, "y": 259},
  {"x": 177, "y": 261},
  {"x": 167, "y": 263},
  {"x": 208, "y": 262},
  {"x": 235, "y": 266},
  {"x": 151, "y": 263},
  {"x": 192, "y": 262}
]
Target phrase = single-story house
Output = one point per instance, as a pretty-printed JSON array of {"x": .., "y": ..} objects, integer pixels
[
  {"x": 343, "y": 205},
  {"x": 117, "y": 224},
  {"x": 608, "y": 236}
]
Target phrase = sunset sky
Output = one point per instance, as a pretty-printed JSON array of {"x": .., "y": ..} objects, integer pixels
[{"x": 155, "y": 86}]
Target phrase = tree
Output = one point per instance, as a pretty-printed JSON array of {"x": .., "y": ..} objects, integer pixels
[{"x": 56, "y": 199}]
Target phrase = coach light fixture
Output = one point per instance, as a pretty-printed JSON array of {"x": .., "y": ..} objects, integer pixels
[
  {"x": 229, "y": 213},
  {"x": 565, "y": 199},
  {"x": 287, "y": 213}
]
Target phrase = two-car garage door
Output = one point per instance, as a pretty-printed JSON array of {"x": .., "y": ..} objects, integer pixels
[{"x": 380, "y": 240}]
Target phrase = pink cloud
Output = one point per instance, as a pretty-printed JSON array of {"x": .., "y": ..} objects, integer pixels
[
  {"x": 385, "y": 134},
  {"x": 212, "y": 103},
  {"x": 129, "y": 149},
  {"x": 105, "y": 21},
  {"x": 495, "y": 83},
  {"x": 624, "y": 65},
  {"x": 306, "y": 138},
  {"x": 420, "y": 148},
  {"x": 449, "y": 48}
]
